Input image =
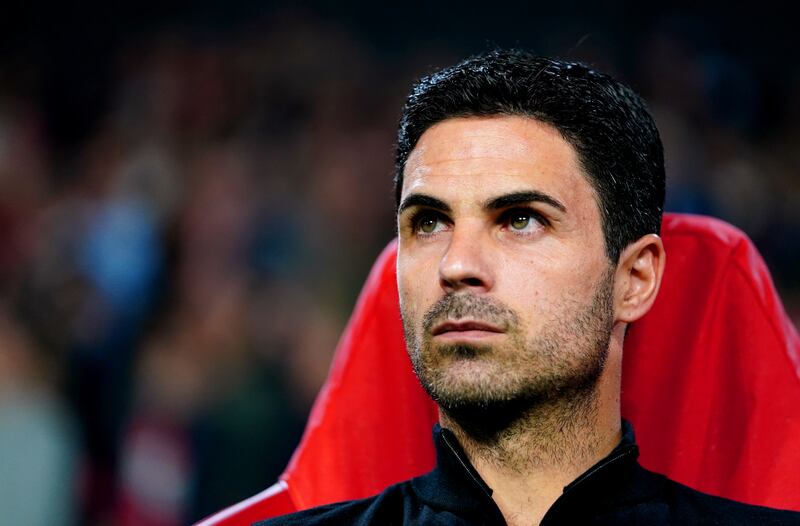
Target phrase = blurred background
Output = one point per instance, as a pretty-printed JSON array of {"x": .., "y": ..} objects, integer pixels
[{"x": 191, "y": 197}]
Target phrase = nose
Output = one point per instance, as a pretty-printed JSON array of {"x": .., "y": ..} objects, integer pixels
[{"x": 466, "y": 265}]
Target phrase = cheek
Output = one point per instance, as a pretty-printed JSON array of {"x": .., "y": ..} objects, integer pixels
[
  {"x": 418, "y": 273},
  {"x": 542, "y": 284},
  {"x": 409, "y": 287}
]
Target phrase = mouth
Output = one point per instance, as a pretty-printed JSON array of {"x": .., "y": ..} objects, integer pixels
[{"x": 465, "y": 329}]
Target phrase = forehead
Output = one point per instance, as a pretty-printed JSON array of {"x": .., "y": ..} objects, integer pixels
[{"x": 477, "y": 157}]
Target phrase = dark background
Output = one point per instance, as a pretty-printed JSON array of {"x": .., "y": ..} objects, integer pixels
[{"x": 191, "y": 196}]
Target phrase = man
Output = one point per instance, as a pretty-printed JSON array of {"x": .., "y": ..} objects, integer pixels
[{"x": 530, "y": 195}]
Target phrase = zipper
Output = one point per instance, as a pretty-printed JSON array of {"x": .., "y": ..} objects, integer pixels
[
  {"x": 580, "y": 480},
  {"x": 554, "y": 510},
  {"x": 477, "y": 481}
]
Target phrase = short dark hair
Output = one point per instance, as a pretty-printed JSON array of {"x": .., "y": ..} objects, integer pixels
[{"x": 609, "y": 126}]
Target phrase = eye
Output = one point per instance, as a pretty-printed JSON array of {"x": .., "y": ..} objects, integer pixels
[
  {"x": 428, "y": 223},
  {"x": 519, "y": 220},
  {"x": 523, "y": 220}
]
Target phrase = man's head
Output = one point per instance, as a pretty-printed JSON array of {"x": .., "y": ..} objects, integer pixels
[
  {"x": 529, "y": 195},
  {"x": 607, "y": 124}
]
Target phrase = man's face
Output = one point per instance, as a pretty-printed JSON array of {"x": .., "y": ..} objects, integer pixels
[{"x": 505, "y": 287}]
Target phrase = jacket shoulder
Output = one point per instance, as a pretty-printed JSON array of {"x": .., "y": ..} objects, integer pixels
[
  {"x": 690, "y": 506},
  {"x": 388, "y": 507}
]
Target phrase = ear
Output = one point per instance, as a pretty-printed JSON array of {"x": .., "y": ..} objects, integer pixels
[{"x": 638, "y": 278}]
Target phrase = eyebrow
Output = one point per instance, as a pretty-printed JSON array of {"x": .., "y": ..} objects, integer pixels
[
  {"x": 423, "y": 200},
  {"x": 518, "y": 198},
  {"x": 495, "y": 203}
]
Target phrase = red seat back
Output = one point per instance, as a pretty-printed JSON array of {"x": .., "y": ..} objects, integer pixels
[{"x": 711, "y": 383}]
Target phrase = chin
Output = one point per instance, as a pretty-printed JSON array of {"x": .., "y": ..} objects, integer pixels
[{"x": 470, "y": 381}]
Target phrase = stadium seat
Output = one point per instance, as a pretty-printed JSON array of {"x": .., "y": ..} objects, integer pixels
[{"x": 711, "y": 383}]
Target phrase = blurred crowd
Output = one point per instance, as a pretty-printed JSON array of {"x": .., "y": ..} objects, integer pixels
[{"x": 173, "y": 284}]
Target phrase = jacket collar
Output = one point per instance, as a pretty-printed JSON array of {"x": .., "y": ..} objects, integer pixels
[{"x": 454, "y": 485}]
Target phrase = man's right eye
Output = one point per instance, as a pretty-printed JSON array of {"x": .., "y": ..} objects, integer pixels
[{"x": 428, "y": 223}]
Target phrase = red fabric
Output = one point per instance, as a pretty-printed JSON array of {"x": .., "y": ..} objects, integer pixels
[
  {"x": 711, "y": 376},
  {"x": 373, "y": 398},
  {"x": 711, "y": 383},
  {"x": 271, "y": 502}
]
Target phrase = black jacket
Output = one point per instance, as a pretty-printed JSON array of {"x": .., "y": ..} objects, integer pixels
[{"x": 615, "y": 491}]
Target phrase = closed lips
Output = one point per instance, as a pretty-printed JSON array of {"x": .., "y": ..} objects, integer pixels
[{"x": 463, "y": 326}]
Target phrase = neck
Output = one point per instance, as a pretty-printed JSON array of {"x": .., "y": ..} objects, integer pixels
[{"x": 529, "y": 458}]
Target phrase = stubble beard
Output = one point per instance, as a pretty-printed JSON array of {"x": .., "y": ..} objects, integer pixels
[{"x": 490, "y": 391}]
